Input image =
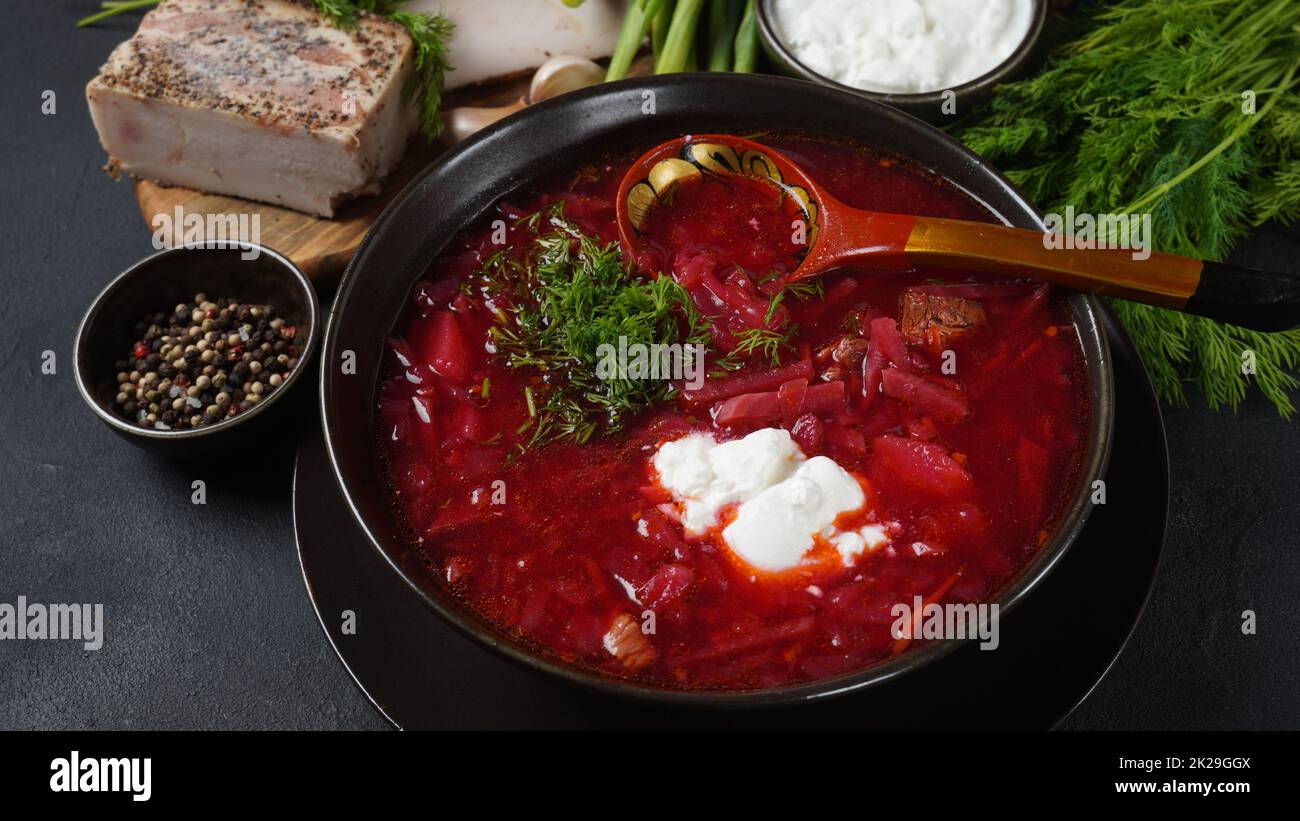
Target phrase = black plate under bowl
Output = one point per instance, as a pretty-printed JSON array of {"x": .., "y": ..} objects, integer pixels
[{"x": 421, "y": 673}]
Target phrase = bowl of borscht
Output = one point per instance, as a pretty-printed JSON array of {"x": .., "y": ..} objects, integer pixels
[{"x": 680, "y": 477}]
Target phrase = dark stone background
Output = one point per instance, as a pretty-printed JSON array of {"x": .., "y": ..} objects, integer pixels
[{"x": 208, "y": 623}]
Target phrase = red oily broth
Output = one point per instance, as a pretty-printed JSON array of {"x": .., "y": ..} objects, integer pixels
[{"x": 567, "y": 546}]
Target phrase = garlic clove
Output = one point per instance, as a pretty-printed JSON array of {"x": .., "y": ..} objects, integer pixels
[
  {"x": 556, "y": 76},
  {"x": 562, "y": 74},
  {"x": 464, "y": 121}
]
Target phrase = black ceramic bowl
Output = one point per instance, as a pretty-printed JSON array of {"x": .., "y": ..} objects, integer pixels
[
  {"x": 525, "y": 148},
  {"x": 928, "y": 105},
  {"x": 158, "y": 283}
]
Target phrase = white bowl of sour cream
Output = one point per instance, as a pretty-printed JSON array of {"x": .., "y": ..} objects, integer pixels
[{"x": 929, "y": 57}]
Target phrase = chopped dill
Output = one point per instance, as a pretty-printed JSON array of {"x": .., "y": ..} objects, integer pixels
[
  {"x": 806, "y": 289},
  {"x": 571, "y": 295},
  {"x": 765, "y": 341},
  {"x": 772, "y": 307}
]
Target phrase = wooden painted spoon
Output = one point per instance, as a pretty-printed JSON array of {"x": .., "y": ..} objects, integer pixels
[{"x": 838, "y": 235}]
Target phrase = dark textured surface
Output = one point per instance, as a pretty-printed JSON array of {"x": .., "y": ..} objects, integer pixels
[{"x": 208, "y": 624}]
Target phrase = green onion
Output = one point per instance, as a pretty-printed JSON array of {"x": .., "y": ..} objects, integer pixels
[
  {"x": 659, "y": 27},
  {"x": 747, "y": 41},
  {"x": 636, "y": 24},
  {"x": 724, "y": 17},
  {"x": 679, "y": 45}
]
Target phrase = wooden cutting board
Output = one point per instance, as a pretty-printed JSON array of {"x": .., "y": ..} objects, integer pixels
[{"x": 321, "y": 247}]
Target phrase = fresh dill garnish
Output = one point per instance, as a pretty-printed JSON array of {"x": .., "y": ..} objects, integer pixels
[
  {"x": 772, "y": 307},
  {"x": 569, "y": 296},
  {"x": 806, "y": 289},
  {"x": 1184, "y": 109},
  {"x": 341, "y": 13},
  {"x": 801, "y": 289},
  {"x": 429, "y": 34},
  {"x": 768, "y": 342},
  {"x": 765, "y": 341}
]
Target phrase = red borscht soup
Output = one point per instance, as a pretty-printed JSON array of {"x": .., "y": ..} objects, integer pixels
[{"x": 746, "y": 506}]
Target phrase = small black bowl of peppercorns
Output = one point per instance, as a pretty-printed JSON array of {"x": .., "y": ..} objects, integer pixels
[{"x": 194, "y": 348}]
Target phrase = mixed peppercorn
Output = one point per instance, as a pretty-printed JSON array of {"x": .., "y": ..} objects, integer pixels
[{"x": 207, "y": 361}]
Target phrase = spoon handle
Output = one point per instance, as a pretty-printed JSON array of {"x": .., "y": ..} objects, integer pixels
[{"x": 1260, "y": 300}]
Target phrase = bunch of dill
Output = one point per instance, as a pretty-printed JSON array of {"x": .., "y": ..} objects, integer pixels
[
  {"x": 1184, "y": 109},
  {"x": 570, "y": 294}
]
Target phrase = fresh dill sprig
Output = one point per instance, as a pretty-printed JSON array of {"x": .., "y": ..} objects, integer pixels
[
  {"x": 764, "y": 341},
  {"x": 342, "y": 14},
  {"x": 570, "y": 296},
  {"x": 429, "y": 34},
  {"x": 772, "y": 307},
  {"x": 806, "y": 289},
  {"x": 1184, "y": 109},
  {"x": 768, "y": 342}
]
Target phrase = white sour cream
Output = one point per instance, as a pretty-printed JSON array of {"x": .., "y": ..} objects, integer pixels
[
  {"x": 902, "y": 46},
  {"x": 784, "y": 499}
]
